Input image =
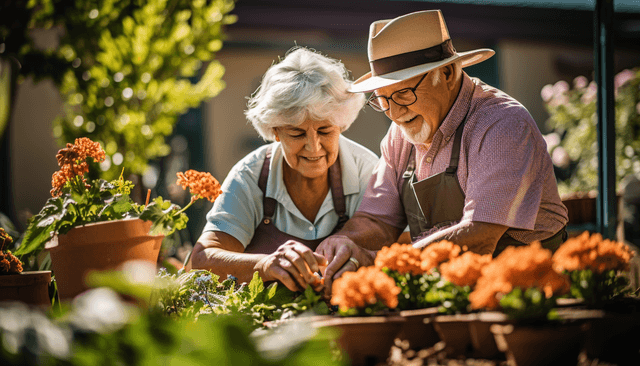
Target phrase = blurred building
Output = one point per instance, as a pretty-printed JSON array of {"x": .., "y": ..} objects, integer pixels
[{"x": 536, "y": 42}]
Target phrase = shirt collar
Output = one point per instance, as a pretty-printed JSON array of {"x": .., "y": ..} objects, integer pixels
[{"x": 275, "y": 182}]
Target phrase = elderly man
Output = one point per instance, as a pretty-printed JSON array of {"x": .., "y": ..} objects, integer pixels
[{"x": 463, "y": 161}]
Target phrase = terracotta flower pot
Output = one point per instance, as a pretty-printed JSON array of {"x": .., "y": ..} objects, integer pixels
[
  {"x": 418, "y": 330},
  {"x": 365, "y": 340},
  {"x": 614, "y": 336},
  {"x": 454, "y": 330},
  {"x": 97, "y": 247},
  {"x": 30, "y": 287},
  {"x": 543, "y": 344},
  {"x": 482, "y": 340}
]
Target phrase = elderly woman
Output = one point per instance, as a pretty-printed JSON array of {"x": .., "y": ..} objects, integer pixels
[{"x": 281, "y": 200}]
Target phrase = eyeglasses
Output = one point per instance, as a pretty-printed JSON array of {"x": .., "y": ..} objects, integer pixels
[{"x": 403, "y": 97}]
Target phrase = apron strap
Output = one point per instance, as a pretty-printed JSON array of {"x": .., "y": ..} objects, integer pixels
[
  {"x": 268, "y": 203},
  {"x": 337, "y": 192}
]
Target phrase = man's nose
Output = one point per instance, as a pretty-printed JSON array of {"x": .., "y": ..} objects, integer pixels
[{"x": 395, "y": 111}]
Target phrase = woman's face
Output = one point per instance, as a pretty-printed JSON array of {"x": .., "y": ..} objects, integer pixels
[{"x": 310, "y": 148}]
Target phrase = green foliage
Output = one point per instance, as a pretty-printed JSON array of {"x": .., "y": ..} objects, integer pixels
[
  {"x": 123, "y": 68},
  {"x": 530, "y": 305},
  {"x": 413, "y": 288},
  {"x": 199, "y": 292},
  {"x": 573, "y": 121},
  {"x": 90, "y": 201},
  {"x": 116, "y": 333},
  {"x": 429, "y": 290},
  {"x": 596, "y": 288}
]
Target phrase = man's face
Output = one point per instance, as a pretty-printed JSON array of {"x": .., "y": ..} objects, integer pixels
[{"x": 420, "y": 120}]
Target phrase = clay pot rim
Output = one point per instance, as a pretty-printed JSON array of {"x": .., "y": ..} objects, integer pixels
[
  {"x": 20, "y": 279},
  {"x": 419, "y": 312},
  {"x": 359, "y": 320}
]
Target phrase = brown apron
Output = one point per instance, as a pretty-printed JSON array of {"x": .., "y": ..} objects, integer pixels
[
  {"x": 267, "y": 238},
  {"x": 438, "y": 201}
]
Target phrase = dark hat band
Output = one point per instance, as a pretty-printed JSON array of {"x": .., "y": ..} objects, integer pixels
[{"x": 413, "y": 58}]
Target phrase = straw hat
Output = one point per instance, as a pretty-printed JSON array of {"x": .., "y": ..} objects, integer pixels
[{"x": 411, "y": 45}]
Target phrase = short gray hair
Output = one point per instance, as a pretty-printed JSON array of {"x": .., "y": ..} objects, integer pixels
[{"x": 304, "y": 85}]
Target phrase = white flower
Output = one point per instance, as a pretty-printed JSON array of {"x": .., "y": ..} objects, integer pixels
[
  {"x": 552, "y": 140},
  {"x": 560, "y": 157}
]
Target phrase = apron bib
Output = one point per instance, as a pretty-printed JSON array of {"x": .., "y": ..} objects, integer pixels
[{"x": 267, "y": 238}]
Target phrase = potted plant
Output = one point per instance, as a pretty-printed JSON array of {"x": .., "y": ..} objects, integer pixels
[
  {"x": 92, "y": 224},
  {"x": 521, "y": 287},
  {"x": 572, "y": 140},
  {"x": 364, "y": 299},
  {"x": 597, "y": 269},
  {"x": 31, "y": 287}
]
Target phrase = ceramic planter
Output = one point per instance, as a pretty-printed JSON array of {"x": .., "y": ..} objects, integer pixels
[
  {"x": 614, "y": 336},
  {"x": 418, "y": 328},
  {"x": 98, "y": 247},
  {"x": 454, "y": 330},
  {"x": 482, "y": 340},
  {"x": 365, "y": 340},
  {"x": 541, "y": 344},
  {"x": 30, "y": 287}
]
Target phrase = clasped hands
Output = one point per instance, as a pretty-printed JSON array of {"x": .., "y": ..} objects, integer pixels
[{"x": 296, "y": 266}]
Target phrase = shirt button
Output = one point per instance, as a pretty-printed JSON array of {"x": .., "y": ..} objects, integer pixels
[
  {"x": 311, "y": 228},
  {"x": 447, "y": 138},
  {"x": 428, "y": 159}
]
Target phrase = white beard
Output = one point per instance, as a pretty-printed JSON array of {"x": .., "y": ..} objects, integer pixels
[{"x": 419, "y": 137}]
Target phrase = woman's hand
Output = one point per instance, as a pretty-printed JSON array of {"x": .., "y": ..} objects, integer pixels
[
  {"x": 294, "y": 265},
  {"x": 338, "y": 250}
]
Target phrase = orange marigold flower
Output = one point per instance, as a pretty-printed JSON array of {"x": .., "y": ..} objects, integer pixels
[
  {"x": 524, "y": 267},
  {"x": 72, "y": 162},
  {"x": 404, "y": 258},
  {"x": 9, "y": 263},
  {"x": 465, "y": 269},
  {"x": 364, "y": 287},
  {"x": 436, "y": 253},
  {"x": 591, "y": 251},
  {"x": 201, "y": 185}
]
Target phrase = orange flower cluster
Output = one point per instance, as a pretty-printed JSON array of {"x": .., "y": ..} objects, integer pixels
[
  {"x": 364, "y": 287},
  {"x": 201, "y": 185},
  {"x": 72, "y": 162},
  {"x": 436, "y": 253},
  {"x": 592, "y": 252},
  {"x": 466, "y": 269},
  {"x": 9, "y": 263},
  {"x": 524, "y": 267},
  {"x": 404, "y": 258}
]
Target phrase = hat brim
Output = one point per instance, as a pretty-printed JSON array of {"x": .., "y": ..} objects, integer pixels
[{"x": 367, "y": 83}]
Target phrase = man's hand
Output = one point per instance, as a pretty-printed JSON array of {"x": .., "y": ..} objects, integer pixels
[
  {"x": 338, "y": 249},
  {"x": 294, "y": 265}
]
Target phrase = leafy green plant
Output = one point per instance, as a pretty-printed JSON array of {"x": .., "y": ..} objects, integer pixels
[
  {"x": 596, "y": 288},
  {"x": 447, "y": 296},
  {"x": 573, "y": 121},
  {"x": 125, "y": 69},
  {"x": 199, "y": 293},
  {"x": 77, "y": 201},
  {"x": 529, "y": 305}
]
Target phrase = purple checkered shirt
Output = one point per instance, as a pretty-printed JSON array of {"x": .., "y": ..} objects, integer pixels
[{"x": 504, "y": 171}]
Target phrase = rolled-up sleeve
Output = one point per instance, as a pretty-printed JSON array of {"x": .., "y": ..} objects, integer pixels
[{"x": 235, "y": 211}]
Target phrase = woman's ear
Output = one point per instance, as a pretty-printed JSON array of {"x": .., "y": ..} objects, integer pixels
[{"x": 275, "y": 133}]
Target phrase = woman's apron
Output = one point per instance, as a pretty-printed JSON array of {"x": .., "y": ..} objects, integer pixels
[
  {"x": 438, "y": 201},
  {"x": 267, "y": 238}
]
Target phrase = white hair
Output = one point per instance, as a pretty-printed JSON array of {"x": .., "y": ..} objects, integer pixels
[{"x": 304, "y": 85}]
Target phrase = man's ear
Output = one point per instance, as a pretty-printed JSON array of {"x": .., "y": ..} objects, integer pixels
[{"x": 449, "y": 74}]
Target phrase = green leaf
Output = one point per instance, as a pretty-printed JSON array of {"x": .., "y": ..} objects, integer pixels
[{"x": 165, "y": 217}]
